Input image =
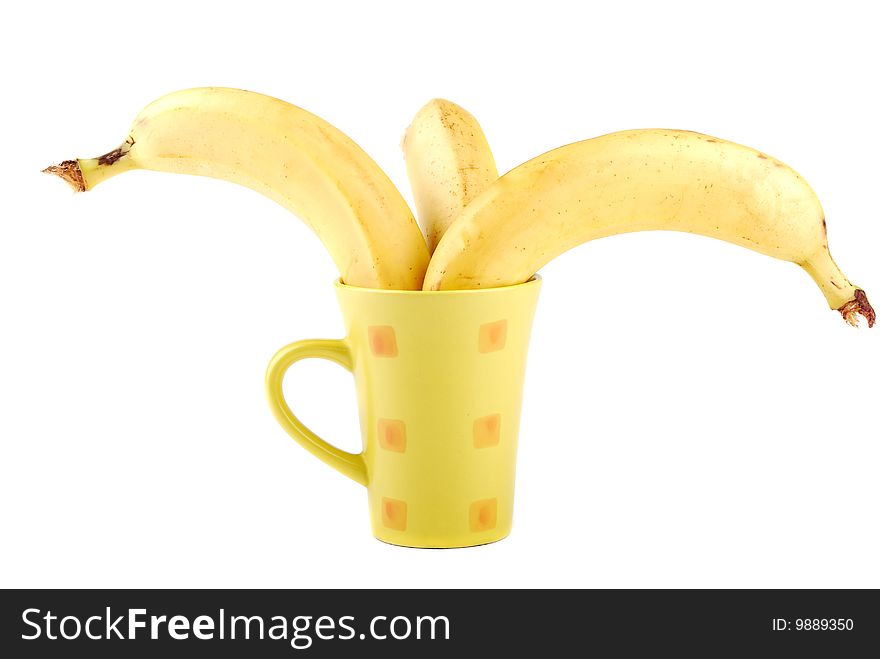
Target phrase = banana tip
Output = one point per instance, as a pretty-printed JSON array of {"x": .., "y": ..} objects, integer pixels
[
  {"x": 70, "y": 171},
  {"x": 858, "y": 306}
]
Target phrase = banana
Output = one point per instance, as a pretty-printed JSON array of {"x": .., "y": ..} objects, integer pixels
[
  {"x": 448, "y": 162},
  {"x": 289, "y": 155},
  {"x": 640, "y": 180}
]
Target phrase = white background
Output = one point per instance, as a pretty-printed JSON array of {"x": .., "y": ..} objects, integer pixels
[{"x": 694, "y": 413}]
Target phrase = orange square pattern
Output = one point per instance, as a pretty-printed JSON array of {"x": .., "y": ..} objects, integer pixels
[
  {"x": 493, "y": 336},
  {"x": 484, "y": 514},
  {"x": 394, "y": 514},
  {"x": 392, "y": 435},
  {"x": 383, "y": 342},
  {"x": 487, "y": 431}
]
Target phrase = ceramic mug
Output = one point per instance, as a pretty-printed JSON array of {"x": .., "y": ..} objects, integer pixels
[{"x": 439, "y": 377}]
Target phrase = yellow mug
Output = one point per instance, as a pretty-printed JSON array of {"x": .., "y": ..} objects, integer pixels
[{"x": 439, "y": 378}]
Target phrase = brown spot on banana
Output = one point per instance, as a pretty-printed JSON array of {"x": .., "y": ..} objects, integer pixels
[{"x": 109, "y": 158}]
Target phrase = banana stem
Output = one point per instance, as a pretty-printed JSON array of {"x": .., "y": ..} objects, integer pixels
[
  {"x": 70, "y": 172},
  {"x": 842, "y": 296},
  {"x": 85, "y": 173},
  {"x": 859, "y": 305}
]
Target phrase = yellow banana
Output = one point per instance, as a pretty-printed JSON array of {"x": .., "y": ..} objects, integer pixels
[
  {"x": 640, "y": 180},
  {"x": 448, "y": 162},
  {"x": 291, "y": 156}
]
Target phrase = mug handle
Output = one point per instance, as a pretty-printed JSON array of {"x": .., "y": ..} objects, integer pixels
[{"x": 350, "y": 464}]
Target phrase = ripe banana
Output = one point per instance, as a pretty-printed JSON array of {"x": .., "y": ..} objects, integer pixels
[
  {"x": 289, "y": 155},
  {"x": 640, "y": 180},
  {"x": 448, "y": 162}
]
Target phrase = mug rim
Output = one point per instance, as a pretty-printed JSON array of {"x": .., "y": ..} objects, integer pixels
[{"x": 534, "y": 280}]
